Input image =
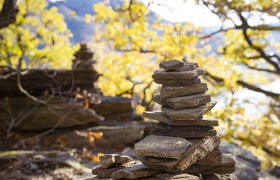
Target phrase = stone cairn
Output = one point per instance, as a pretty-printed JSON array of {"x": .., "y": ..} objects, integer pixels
[{"x": 184, "y": 141}]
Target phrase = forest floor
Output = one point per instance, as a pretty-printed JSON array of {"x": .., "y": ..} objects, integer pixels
[{"x": 48, "y": 158}]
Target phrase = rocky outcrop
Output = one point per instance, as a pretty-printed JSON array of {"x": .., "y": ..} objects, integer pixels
[
  {"x": 61, "y": 98},
  {"x": 33, "y": 116},
  {"x": 113, "y": 108},
  {"x": 248, "y": 165},
  {"x": 119, "y": 136}
]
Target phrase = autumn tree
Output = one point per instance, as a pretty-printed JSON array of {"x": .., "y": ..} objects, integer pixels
[
  {"x": 135, "y": 40},
  {"x": 136, "y": 43},
  {"x": 249, "y": 39},
  {"x": 31, "y": 36},
  {"x": 249, "y": 28},
  {"x": 37, "y": 37}
]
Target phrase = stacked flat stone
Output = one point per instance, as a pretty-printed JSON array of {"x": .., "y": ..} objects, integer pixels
[
  {"x": 184, "y": 140},
  {"x": 115, "y": 166}
]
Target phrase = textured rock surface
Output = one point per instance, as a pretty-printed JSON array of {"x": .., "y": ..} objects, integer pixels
[
  {"x": 275, "y": 171},
  {"x": 39, "y": 81},
  {"x": 181, "y": 82},
  {"x": 105, "y": 173},
  {"x": 199, "y": 149},
  {"x": 161, "y": 74},
  {"x": 113, "y": 108},
  {"x": 38, "y": 117},
  {"x": 171, "y": 65},
  {"x": 188, "y": 114},
  {"x": 184, "y": 101},
  {"x": 134, "y": 172},
  {"x": 162, "y": 146},
  {"x": 182, "y": 128},
  {"x": 188, "y": 66},
  {"x": 203, "y": 121},
  {"x": 214, "y": 157},
  {"x": 226, "y": 167},
  {"x": 114, "y": 136},
  {"x": 102, "y": 172},
  {"x": 183, "y": 176},
  {"x": 247, "y": 164},
  {"x": 173, "y": 91},
  {"x": 183, "y": 131},
  {"x": 109, "y": 160},
  {"x": 220, "y": 177},
  {"x": 165, "y": 164}
]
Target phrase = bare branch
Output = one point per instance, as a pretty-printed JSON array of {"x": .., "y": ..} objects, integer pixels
[
  {"x": 244, "y": 84},
  {"x": 215, "y": 78},
  {"x": 259, "y": 69},
  {"x": 261, "y": 27},
  {"x": 216, "y": 32},
  {"x": 141, "y": 50},
  {"x": 257, "y": 89},
  {"x": 257, "y": 48}
]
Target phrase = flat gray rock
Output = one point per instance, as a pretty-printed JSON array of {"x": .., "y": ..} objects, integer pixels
[
  {"x": 165, "y": 164},
  {"x": 110, "y": 160},
  {"x": 117, "y": 135},
  {"x": 162, "y": 146},
  {"x": 177, "y": 75},
  {"x": 200, "y": 148},
  {"x": 248, "y": 165},
  {"x": 167, "y": 92},
  {"x": 188, "y": 114},
  {"x": 188, "y": 66},
  {"x": 275, "y": 171},
  {"x": 184, "y": 101},
  {"x": 165, "y": 176},
  {"x": 171, "y": 65},
  {"x": 202, "y": 121},
  {"x": 161, "y": 125},
  {"x": 134, "y": 172},
  {"x": 226, "y": 167},
  {"x": 105, "y": 173},
  {"x": 183, "y": 131},
  {"x": 102, "y": 172},
  {"x": 181, "y": 82},
  {"x": 213, "y": 158},
  {"x": 220, "y": 177}
]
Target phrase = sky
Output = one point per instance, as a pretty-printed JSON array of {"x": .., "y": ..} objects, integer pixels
[
  {"x": 188, "y": 11},
  {"x": 183, "y": 11},
  {"x": 199, "y": 15},
  {"x": 179, "y": 11}
]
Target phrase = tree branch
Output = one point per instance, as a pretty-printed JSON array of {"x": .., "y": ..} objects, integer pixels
[
  {"x": 257, "y": 89},
  {"x": 257, "y": 48},
  {"x": 263, "y": 27},
  {"x": 259, "y": 69},
  {"x": 216, "y": 32},
  {"x": 141, "y": 50},
  {"x": 8, "y": 13},
  {"x": 244, "y": 84}
]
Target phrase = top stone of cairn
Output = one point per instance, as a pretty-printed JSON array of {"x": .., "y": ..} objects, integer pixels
[{"x": 171, "y": 65}]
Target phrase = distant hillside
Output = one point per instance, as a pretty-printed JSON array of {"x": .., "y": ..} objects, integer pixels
[{"x": 82, "y": 32}]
